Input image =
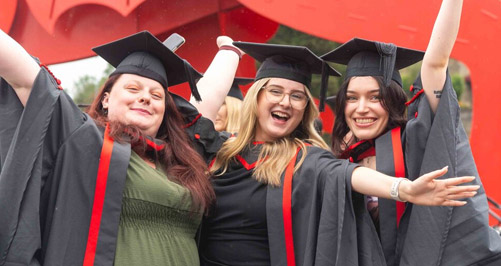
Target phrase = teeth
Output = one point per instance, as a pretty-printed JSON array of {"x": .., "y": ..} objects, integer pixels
[
  {"x": 282, "y": 115},
  {"x": 365, "y": 120}
]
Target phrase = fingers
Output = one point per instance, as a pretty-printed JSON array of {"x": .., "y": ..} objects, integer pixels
[
  {"x": 435, "y": 174},
  {"x": 461, "y": 195},
  {"x": 453, "y": 203},
  {"x": 454, "y": 181},
  {"x": 459, "y": 192},
  {"x": 460, "y": 189}
]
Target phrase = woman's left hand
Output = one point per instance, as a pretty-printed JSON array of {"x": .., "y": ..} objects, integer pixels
[{"x": 428, "y": 190}]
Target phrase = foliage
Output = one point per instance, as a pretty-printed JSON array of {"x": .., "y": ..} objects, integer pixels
[
  {"x": 459, "y": 84},
  {"x": 87, "y": 86}
]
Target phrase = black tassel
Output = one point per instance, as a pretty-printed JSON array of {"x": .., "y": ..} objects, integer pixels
[
  {"x": 323, "y": 86},
  {"x": 388, "y": 53},
  {"x": 191, "y": 81}
]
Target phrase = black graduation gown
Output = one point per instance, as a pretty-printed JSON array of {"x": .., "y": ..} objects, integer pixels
[
  {"x": 326, "y": 230},
  {"x": 48, "y": 180},
  {"x": 49, "y": 157},
  {"x": 436, "y": 235}
]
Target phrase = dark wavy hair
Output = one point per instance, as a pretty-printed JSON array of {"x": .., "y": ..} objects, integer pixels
[
  {"x": 393, "y": 100},
  {"x": 179, "y": 159}
]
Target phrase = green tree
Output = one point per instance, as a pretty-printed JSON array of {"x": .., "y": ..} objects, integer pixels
[
  {"x": 87, "y": 86},
  {"x": 459, "y": 84}
]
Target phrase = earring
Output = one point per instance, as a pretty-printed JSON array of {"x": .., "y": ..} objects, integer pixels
[{"x": 105, "y": 111}]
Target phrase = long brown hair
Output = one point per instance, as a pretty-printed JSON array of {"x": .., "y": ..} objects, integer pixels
[
  {"x": 393, "y": 100},
  {"x": 181, "y": 162}
]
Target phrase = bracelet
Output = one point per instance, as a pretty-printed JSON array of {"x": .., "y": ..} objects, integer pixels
[
  {"x": 231, "y": 48},
  {"x": 394, "y": 192}
]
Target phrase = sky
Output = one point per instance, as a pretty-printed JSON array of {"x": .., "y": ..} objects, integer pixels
[{"x": 70, "y": 72}]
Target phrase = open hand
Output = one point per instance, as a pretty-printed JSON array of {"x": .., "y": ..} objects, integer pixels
[{"x": 427, "y": 190}]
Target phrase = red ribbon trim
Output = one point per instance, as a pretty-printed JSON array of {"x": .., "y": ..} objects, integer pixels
[
  {"x": 99, "y": 193},
  {"x": 193, "y": 121},
  {"x": 287, "y": 211},
  {"x": 414, "y": 97},
  {"x": 212, "y": 163},
  {"x": 245, "y": 163},
  {"x": 155, "y": 146},
  {"x": 398, "y": 162}
]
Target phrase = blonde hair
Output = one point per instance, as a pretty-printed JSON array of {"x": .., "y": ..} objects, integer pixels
[
  {"x": 233, "y": 107},
  {"x": 278, "y": 153}
]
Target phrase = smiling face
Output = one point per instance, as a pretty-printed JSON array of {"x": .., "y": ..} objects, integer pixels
[
  {"x": 364, "y": 113},
  {"x": 277, "y": 120},
  {"x": 138, "y": 101}
]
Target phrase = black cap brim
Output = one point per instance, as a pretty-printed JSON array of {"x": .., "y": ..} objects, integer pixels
[
  {"x": 296, "y": 63},
  {"x": 346, "y": 51},
  {"x": 235, "y": 90},
  {"x": 116, "y": 51},
  {"x": 261, "y": 51}
]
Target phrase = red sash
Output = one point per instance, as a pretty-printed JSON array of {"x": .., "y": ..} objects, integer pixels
[
  {"x": 287, "y": 210},
  {"x": 398, "y": 162},
  {"x": 99, "y": 193}
]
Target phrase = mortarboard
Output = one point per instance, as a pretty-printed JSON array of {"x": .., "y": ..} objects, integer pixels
[
  {"x": 370, "y": 58},
  {"x": 296, "y": 63},
  {"x": 144, "y": 55},
  {"x": 331, "y": 100},
  {"x": 235, "y": 91}
]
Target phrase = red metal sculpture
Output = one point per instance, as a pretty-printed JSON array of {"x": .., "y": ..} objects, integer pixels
[{"x": 63, "y": 30}]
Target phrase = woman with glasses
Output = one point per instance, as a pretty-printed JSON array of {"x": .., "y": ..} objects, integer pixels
[{"x": 281, "y": 196}]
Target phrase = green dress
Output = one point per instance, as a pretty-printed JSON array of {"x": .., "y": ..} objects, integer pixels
[{"x": 157, "y": 225}]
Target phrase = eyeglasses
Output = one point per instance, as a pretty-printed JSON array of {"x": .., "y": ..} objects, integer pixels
[{"x": 298, "y": 100}]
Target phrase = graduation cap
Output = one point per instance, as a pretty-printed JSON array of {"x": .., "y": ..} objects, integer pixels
[
  {"x": 296, "y": 63},
  {"x": 144, "y": 55},
  {"x": 235, "y": 91},
  {"x": 370, "y": 58},
  {"x": 331, "y": 99}
]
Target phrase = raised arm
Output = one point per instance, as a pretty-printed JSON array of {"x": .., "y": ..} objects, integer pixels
[
  {"x": 426, "y": 190},
  {"x": 436, "y": 58},
  {"x": 217, "y": 80},
  {"x": 17, "y": 67}
]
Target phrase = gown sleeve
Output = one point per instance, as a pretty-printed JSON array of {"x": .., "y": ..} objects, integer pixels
[
  {"x": 29, "y": 141},
  {"x": 206, "y": 139},
  {"x": 445, "y": 235}
]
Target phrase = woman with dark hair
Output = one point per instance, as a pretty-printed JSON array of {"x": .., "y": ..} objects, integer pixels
[
  {"x": 281, "y": 196},
  {"x": 394, "y": 104},
  {"x": 371, "y": 105},
  {"x": 121, "y": 185}
]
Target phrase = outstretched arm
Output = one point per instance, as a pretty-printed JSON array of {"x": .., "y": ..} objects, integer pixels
[
  {"x": 436, "y": 58},
  {"x": 426, "y": 190},
  {"x": 217, "y": 80},
  {"x": 17, "y": 67}
]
